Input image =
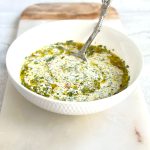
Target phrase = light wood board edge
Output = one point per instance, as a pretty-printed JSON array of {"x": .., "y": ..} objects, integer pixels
[{"x": 60, "y": 11}]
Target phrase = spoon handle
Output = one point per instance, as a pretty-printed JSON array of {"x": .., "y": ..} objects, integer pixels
[{"x": 97, "y": 29}]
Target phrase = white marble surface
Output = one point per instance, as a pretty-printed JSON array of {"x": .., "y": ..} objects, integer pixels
[
  {"x": 23, "y": 126},
  {"x": 134, "y": 16}
]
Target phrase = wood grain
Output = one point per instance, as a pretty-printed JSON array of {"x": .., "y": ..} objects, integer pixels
[{"x": 66, "y": 11}]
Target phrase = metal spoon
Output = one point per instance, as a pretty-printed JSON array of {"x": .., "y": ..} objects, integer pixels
[{"x": 97, "y": 29}]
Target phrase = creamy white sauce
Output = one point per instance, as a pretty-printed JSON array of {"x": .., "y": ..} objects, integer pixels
[{"x": 68, "y": 78}]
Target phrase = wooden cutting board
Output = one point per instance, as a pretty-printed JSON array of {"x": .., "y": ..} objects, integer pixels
[
  {"x": 59, "y": 11},
  {"x": 23, "y": 126}
]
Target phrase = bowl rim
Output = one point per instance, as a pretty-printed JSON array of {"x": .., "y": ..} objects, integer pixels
[{"x": 49, "y": 99}]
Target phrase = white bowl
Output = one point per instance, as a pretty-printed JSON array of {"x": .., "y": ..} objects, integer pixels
[{"x": 76, "y": 30}]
